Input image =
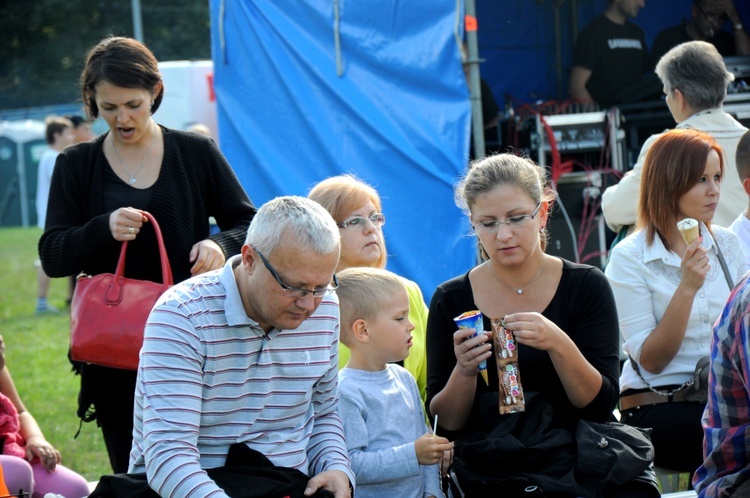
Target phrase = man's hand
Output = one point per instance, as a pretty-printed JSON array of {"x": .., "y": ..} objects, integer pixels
[{"x": 334, "y": 481}]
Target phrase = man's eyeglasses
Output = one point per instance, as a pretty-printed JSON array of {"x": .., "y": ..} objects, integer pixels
[
  {"x": 296, "y": 292},
  {"x": 377, "y": 219},
  {"x": 518, "y": 221}
]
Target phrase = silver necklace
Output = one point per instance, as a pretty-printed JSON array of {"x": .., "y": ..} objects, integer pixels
[
  {"x": 132, "y": 179},
  {"x": 518, "y": 291}
]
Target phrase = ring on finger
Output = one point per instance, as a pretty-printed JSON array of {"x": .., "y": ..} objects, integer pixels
[{"x": 131, "y": 230}]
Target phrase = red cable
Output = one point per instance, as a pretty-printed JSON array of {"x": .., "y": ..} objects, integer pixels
[{"x": 559, "y": 167}]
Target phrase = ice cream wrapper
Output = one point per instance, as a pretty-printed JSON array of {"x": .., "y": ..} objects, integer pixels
[
  {"x": 474, "y": 320},
  {"x": 688, "y": 229},
  {"x": 506, "y": 357}
]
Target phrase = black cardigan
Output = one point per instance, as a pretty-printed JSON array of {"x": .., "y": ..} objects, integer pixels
[{"x": 195, "y": 182}]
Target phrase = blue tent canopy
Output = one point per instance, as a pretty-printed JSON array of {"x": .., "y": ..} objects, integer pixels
[{"x": 307, "y": 90}]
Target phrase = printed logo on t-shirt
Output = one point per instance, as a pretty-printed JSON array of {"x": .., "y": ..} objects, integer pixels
[{"x": 624, "y": 43}]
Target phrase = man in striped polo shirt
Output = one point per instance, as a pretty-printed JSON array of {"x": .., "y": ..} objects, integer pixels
[{"x": 247, "y": 354}]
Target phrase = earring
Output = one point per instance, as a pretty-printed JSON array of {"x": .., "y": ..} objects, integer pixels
[{"x": 152, "y": 103}]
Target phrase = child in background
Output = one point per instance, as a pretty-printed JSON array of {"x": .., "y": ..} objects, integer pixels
[
  {"x": 391, "y": 448},
  {"x": 58, "y": 134}
]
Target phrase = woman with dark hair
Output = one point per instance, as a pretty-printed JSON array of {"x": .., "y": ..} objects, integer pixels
[
  {"x": 670, "y": 292},
  {"x": 99, "y": 191}
]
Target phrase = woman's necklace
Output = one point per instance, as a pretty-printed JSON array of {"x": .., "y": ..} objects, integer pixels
[
  {"x": 519, "y": 291},
  {"x": 132, "y": 179}
]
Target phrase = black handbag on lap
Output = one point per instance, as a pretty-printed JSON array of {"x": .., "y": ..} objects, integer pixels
[{"x": 532, "y": 454}]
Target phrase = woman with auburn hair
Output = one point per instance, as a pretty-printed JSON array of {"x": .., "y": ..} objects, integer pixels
[
  {"x": 670, "y": 292},
  {"x": 357, "y": 210}
]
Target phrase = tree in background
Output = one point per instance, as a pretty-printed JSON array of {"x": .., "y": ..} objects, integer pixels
[{"x": 43, "y": 43}]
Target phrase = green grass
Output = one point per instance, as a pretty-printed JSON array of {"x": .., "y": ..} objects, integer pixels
[{"x": 36, "y": 354}]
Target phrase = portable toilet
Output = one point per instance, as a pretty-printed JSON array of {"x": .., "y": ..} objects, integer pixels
[{"x": 21, "y": 146}]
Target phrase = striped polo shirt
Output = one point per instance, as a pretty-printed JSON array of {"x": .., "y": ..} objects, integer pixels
[{"x": 209, "y": 377}]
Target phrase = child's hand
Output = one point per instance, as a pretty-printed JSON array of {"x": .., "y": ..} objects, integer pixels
[{"x": 430, "y": 448}]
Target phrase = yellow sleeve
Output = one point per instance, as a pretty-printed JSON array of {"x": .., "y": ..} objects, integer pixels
[
  {"x": 343, "y": 354},
  {"x": 416, "y": 362}
]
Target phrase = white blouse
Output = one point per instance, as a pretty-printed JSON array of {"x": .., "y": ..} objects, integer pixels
[
  {"x": 644, "y": 279},
  {"x": 741, "y": 226}
]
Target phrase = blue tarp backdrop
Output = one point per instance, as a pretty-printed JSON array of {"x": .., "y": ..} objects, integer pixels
[{"x": 397, "y": 116}]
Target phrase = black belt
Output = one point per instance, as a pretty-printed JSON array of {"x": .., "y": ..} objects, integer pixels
[{"x": 649, "y": 398}]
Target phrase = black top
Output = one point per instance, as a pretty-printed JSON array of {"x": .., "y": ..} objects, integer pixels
[
  {"x": 583, "y": 307},
  {"x": 617, "y": 56}
]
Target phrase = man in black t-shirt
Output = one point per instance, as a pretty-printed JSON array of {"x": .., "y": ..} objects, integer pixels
[
  {"x": 708, "y": 17},
  {"x": 609, "y": 56}
]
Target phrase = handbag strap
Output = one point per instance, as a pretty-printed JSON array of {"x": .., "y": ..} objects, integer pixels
[
  {"x": 722, "y": 261},
  {"x": 113, "y": 293},
  {"x": 651, "y": 388},
  {"x": 723, "y": 264}
]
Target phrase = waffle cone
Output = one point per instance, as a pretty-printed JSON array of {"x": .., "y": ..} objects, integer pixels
[{"x": 690, "y": 234}]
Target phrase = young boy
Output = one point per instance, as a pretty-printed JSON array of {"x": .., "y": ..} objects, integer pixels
[{"x": 391, "y": 448}]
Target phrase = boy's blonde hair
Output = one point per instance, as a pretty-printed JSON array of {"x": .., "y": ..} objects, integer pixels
[{"x": 361, "y": 292}]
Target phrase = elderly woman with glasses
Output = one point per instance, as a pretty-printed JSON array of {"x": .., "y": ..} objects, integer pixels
[
  {"x": 561, "y": 315},
  {"x": 356, "y": 208}
]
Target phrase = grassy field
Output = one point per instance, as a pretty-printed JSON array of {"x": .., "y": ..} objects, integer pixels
[{"x": 36, "y": 354}]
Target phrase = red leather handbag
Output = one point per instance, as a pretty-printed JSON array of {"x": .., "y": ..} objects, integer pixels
[{"x": 109, "y": 311}]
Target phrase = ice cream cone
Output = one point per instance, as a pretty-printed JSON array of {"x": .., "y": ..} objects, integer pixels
[
  {"x": 688, "y": 229},
  {"x": 473, "y": 319}
]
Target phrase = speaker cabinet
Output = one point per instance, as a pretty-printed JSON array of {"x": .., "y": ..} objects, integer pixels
[{"x": 576, "y": 227}]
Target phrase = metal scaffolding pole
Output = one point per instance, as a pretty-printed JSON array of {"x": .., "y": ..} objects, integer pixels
[
  {"x": 137, "y": 21},
  {"x": 475, "y": 89}
]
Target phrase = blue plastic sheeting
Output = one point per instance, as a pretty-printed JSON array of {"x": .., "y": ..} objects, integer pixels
[{"x": 398, "y": 116}]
